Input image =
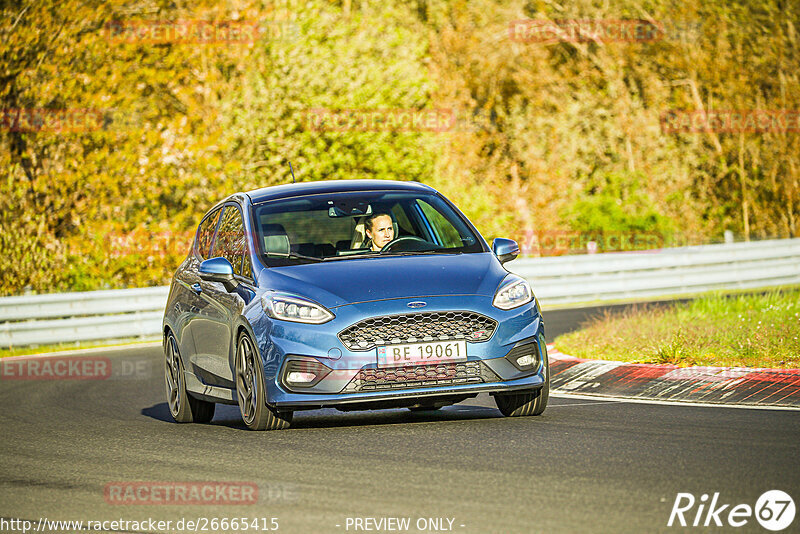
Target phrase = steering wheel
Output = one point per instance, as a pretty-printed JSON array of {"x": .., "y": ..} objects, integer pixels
[{"x": 408, "y": 243}]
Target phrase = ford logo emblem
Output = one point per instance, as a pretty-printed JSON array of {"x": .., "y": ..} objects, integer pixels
[{"x": 417, "y": 304}]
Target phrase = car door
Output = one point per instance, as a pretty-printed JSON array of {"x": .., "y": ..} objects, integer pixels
[{"x": 218, "y": 308}]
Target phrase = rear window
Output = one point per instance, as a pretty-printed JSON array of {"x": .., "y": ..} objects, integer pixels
[{"x": 205, "y": 234}]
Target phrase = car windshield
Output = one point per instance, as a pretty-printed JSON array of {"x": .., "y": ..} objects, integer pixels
[{"x": 336, "y": 226}]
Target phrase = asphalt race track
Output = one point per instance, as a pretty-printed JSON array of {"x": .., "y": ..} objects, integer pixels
[{"x": 583, "y": 466}]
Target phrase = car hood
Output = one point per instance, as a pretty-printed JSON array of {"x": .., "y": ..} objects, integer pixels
[{"x": 342, "y": 282}]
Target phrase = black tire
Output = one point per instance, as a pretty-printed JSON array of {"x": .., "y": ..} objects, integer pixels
[
  {"x": 529, "y": 403},
  {"x": 182, "y": 406},
  {"x": 250, "y": 390}
]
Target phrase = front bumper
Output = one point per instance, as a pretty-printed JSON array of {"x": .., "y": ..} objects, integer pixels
[
  {"x": 283, "y": 342},
  {"x": 307, "y": 401}
]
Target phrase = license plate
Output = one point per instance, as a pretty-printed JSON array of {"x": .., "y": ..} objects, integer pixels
[{"x": 422, "y": 353}]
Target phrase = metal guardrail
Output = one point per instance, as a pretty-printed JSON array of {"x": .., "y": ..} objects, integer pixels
[
  {"x": 664, "y": 272},
  {"x": 85, "y": 316},
  {"x": 126, "y": 313}
]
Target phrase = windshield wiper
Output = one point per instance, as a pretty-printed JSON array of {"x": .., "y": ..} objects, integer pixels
[
  {"x": 294, "y": 255},
  {"x": 348, "y": 256},
  {"x": 415, "y": 252},
  {"x": 317, "y": 259}
]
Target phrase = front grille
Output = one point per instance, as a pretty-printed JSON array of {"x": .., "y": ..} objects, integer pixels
[
  {"x": 420, "y": 376},
  {"x": 416, "y": 328}
]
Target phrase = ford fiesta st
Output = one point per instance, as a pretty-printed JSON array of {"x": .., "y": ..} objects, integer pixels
[{"x": 354, "y": 294}]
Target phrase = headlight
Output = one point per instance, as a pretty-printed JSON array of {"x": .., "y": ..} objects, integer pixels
[
  {"x": 295, "y": 309},
  {"x": 513, "y": 294}
]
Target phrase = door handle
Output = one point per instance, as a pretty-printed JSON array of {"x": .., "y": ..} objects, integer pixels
[{"x": 196, "y": 288}]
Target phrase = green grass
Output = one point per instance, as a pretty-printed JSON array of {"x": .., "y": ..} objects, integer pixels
[
  {"x": 745, "y": 330},
  {"x": 41, "y": 349}
]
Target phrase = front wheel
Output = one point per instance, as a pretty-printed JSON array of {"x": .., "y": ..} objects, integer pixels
[
  {"x": 519, "y": 404},
  {"x": 251, "y": 393},
  {"x": 529, "y": 403},
  {"x": 183, "y": 407}
]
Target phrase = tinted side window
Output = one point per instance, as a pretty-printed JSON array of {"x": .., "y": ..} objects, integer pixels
[
  {"x": 206, "y": 234},
  {"x": 446, "y": 234},
  {"x": 231, "y": 243},
  {"x": 404, "y": 225},
  {"x": 247, "y": 271}
]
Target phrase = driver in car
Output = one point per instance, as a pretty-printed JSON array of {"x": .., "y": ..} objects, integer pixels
[{"x": 379, "y": 230}]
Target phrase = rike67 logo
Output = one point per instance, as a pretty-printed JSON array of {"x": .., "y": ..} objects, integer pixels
[{"x": 774, "y": 510}]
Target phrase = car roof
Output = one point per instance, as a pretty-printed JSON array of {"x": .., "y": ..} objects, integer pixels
[{"x": 333, "y": 186}]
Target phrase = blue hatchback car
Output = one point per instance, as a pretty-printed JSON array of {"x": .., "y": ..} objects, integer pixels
[{"x": 353, "y": 294}]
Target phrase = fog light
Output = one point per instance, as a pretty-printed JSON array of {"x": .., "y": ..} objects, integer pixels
[
  {"x": 297, "y": 377},
  {"x": 525, "y": 356},
  {"x": 526, "y": 360},
  {"x": 301, "y": 373}
]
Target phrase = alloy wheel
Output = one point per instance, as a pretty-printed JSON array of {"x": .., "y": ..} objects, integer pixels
[
  {"x": 173, "y": 376},
  {"x": 246, "y": 381}
]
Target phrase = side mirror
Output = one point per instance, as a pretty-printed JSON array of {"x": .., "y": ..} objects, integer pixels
[
  {"x": 218, "y": 270},
  {"x": 505, "y": 249}
]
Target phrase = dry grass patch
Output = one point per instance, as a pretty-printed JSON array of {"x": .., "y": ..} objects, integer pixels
[{"x": 761, "y": 330}]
